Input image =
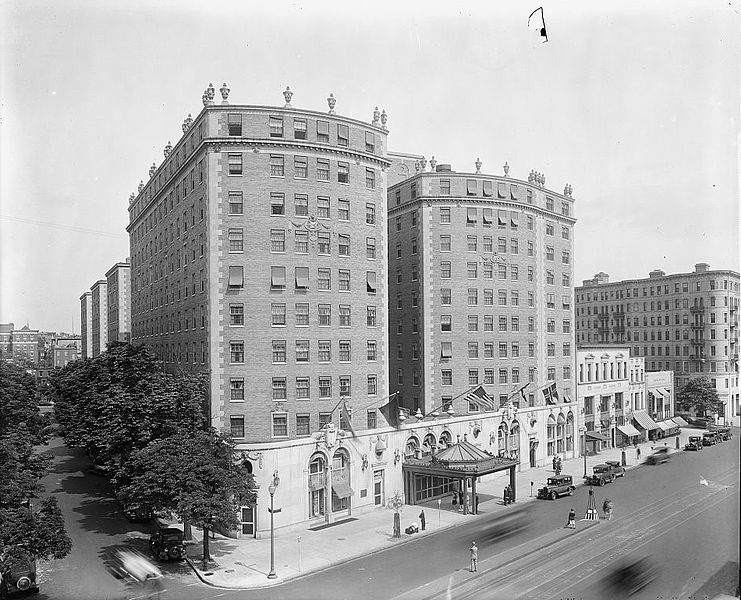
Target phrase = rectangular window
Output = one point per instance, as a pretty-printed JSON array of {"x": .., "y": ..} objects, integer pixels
[
  {"x": 302, "y": 314},
  {"x": 445, "y": 296},
  {"x": 235, "y": 124},
  {"x": 235, "y": 164},
  {"x": 278, "y": 314},
  {"x": 370, "y": 142},
  {"x": 471, "y": 217},
  {"x": 236, "y": 203},
  {"x": 372, "y": 351},
  {"x": 280, "y": 425},
  {"x": 345, "y": 354},
  {"x": 345, "y": 315},
  {"x": 344, "y": 280},
  {"x": 370, "y": 179},
  {"x": 302, "y": 350},
  {"x": 323, "y": 242},
  {"x": 446, "y": 377},
  {"x": 343, "y": 209},
  {"x": 343, "y": 245},
  {"x": 301, "y": 205},
  {"x": 300, "y": 167},
  {"x": 325, "y": 351},
  {"x": 445, "y": 187},
  {"x": 322, "y": 207},
  {"x": 299, "y": 129},
  {"x": 276, "y": 127},
  {"x": 471, "y": 243},
  {"x": 236, "y": 315},
  {"x": 277, "y": 203},
  {"x": 446, "y": 349},
  {"x": 236, "y": 390},
  {"x": 301, "y": 241},
  {"x": 322, "y": 169},
  {"x": 343, "y": 172},
  {"x": 370, "y": 247},
  {"x": 303, "y": 425},
  {"x": 445, "y": 243},
  {"x": 343, "y": 135},
  {"x": 370, "y": 316},
  {"x": 325, "y": 387},
  {"x": 236, "y": 351},
  {"x": 471, "y": 187},
  {"x": 277, "y": 168},
  {"x": 303, "y": 388},
  {"x": 444, "y": 270},
  {"x": 325, "y": 315},
  {"x": 473, "y": 296},
  {"x": 370, "y": 280},
  {"x": 277, "y": 240},
  {"x": 472, "y": 270},
  {"x": 236, "y": 277},
  {"x": 370, "y": 213},
  {"x": 302, "y": 278},
  {"x": 502, "y": 298},
  {"x": 444, "y": 215},
  {"x": 345, "y": 385},
  {"x": 322, "y": 132},
  {"x": 236, "y": 426}
]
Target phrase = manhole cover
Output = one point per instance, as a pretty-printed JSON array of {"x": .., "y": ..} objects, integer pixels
[{"x": 207, "y": 574}]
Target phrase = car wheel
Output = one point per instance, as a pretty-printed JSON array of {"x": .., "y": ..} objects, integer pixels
[
  {"x": 553, "y": 495},
  {"x": 571, "y": 491},
  {"x": 174, "y": 553},
  {"x": 601, "y": 482}
]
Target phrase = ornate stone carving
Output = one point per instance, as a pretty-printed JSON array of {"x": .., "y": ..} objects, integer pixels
[
  {"x": 417, "y": 166},
  {"x": 253, "y": 455},
  {"x": 312, "y": 225},
  {"x": 204, "y": 98},
  {"x": 224, "y": 94},
  {"x": 384, "y": 119},
  {"x": 568, "y": 190},
  {"x": 132, "y": 198},
  {"x": 331, "y": 101},
  {"x": 188, "y": 122},
  {"x": 168, "y": 149},
  {"x": 140, "y": 187},
  {"x": 531, "y": 176},
  {"x": 478, "y": 165},
  {"x": 287, "y": 95},
  {"x": 210, "y": 93},
  {"x": 152, "y": 169},
  {"x": 506, "y": 169},
  {"x": 376, "y": 116},
  {"x": 433, "y": 162},
  {"x": 423, "y": 163}
]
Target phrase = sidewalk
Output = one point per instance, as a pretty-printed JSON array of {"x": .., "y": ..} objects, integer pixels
[{"x": 298, "y": 551}]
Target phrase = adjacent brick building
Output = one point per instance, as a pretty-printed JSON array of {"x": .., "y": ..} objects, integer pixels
[
  {"x": 99, "y": 316},
  {"x": 19, "y": 344},
  {"x": 683, "y": 322},
  {"x": 86, "y": 325},
  {"x": 118, "y": 280}
]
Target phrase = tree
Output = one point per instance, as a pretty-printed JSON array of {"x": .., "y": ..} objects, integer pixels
[
  {"x": 119, "y": 401},
  {"x": 699, "y": 394},
  {"x": 193, "y": 476},
  {"x": 39, "y": 533}
]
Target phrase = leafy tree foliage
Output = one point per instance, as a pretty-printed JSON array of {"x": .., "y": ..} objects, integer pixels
[
  {"x": 40, "y": 533},
  {"x": 700, "y": 395},
  {"x": 193, "y": 476},
  {"x": 119, "y": 401}
]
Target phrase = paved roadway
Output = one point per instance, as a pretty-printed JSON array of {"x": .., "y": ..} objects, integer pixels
[{"x": 690, "y": 529}]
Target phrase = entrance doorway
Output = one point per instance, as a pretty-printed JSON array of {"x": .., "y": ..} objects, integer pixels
[
  {"x": 247, "y": 517},
  {"x": 378, "y": 487},
  {"x": 533, "y": 448}
]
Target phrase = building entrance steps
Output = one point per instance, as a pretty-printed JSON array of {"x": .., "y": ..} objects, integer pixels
[{"x": 245, "y": 563}]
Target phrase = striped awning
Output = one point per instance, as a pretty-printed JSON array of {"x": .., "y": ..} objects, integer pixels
[
  {"x": 596, "y": 435},
  {"x": 644, "y": 420},
  {"x": 657, "y": 392},
  {"x": 680, "y": 421},
  {"x": 667, "y": 425},
  {"x": 629, "y": 430}
]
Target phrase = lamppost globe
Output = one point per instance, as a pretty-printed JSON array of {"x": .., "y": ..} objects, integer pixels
[{"x": 271, "y": 489}]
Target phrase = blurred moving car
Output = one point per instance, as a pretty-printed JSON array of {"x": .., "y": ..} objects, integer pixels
[
  {"x": 167, "y": 544},
  {"x": 632, "y": 576},
  {"x": 128, "y": 563},
  {"x": 557, "y": 486},
  {"x": 17, "y": 574},
  {"x": 694, "y": 443},
  {"x": 507, "y": 522},
  {"x": 661, "y": 455}
]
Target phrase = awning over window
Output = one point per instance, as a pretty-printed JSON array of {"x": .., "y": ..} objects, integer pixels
[
  {"x": 471, "y": 215},
  {"x": 278, "y": 276},
  {"x": 596, "y": 435},
  {"x": 370, "y": 282},
  {"x": 667, "y": 425},
  {"x": 487, "y": 188},
  {"x": 514, "y": 191},
  {"x": 322, "y": 127},
  {"x": 502, "y": 218},
  {"x": 302, "y": 277},
  {"x": 514, "y": 218},
  {"x": 657, "y": 392},
  {"x": 629, "y": 430},
  {"x": 471, "y": 186},
  {"x": 667, "y": 392},
  {"x": 236, "y": 276},
  {"x": 644, "y": 420},
  {"x": 342, "y": 489},
  {"x": 680, "y": 421},
  {"x": 487, "y": 216},
  {"x": 446, "y": 350},
  {"x": 502, "y": 190}
]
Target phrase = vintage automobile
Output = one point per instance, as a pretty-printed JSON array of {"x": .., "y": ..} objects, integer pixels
[
  {"x": 710, "y": 438},
  {"x": 167, "y": 544},
  {"x": 557, "y": 486},
  {"x": 17, "y": 574},
  {"x": 601, "y": 474},
  {"x": 694, "y": 443},
  {"x": 723, "y": 433},
  {"x": 661, "y": 455}
]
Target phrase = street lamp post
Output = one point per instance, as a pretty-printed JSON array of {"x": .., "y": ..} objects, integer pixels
[
  {"x": 271, "y": 489},
  {"x": 584, "y": 447}
]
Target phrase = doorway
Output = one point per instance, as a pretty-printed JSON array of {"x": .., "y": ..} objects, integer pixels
[
  {"x": 378, "y": 487},
  {"x": 533, "y": 448}
]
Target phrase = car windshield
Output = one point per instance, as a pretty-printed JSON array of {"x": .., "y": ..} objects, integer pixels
[
  {"x": 171, "y": 537},
  {"x": 553, "y": 481},
  {"x": 600, "y": 469}
]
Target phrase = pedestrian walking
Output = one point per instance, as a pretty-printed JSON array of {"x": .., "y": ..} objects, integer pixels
[
  {"x": 638, "y": 453},
  {"x": 455, "y": 498},
  {"x": 607, "y": 507},
  {"x": 571, "y": 522},
  {"x": 555, "y": 462},
  {"x": 474, "y": 551},
  {"x": 505, "y": 495},
  {"x": 422, "y": 519},
  {"x": 476, "y": 504},
  {"x": 510, "y": 495}
]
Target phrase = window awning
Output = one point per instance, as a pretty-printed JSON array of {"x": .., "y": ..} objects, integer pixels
[
  {"x": 471, "y": 186},
  {"x": 502, "y": 190},
  {"x": 370, "y": 282},
  {"x": 342, "y": 489},
  {"x": 644, "y": 420},
  {"x": 657, "y": 392},
  {"x": 514, "y": 218},
  {"x": 278, "y": 276},
  {"x": 471, "y": 215},
  {"x": 487, "y": 188},
  {"x": 502, "y": 218},
  {"x": 487, "y": 216},
  {"x": 596, "y": 435},
  {"x": 514, "y": 191},
  {"x": 680, "y": 421},
  {"x": 446, "y": 350},
  {"x": 629, "y": 430},
  {"x": 302, "y": 277},
  {"x": 236, "y": 276},
  {"x": 667, "y": 425}
]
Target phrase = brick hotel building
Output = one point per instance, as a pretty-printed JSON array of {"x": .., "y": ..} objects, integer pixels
[{"x": 682, "y": 322}]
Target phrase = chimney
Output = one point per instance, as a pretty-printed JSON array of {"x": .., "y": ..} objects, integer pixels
[
  {"x": 444, "y": 168},
  {"x": 701, "y": 267},
  {"x": 656, "y": 273}
]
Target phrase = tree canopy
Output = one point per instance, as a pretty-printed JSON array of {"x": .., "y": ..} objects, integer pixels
[
  {"x": 119, "y": 401},
  {"x": 193, "y": 476},
  {"x": 700, "y": 395}
]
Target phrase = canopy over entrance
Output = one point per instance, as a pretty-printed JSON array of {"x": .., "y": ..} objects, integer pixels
[{"x": 461, "y": 461}]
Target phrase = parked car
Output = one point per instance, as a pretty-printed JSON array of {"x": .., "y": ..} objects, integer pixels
[
  {"x": 136, "y": 514},
  {"x": 167, "y": 544},
  {"x": 660, "y": 456},
  {"x": 617, "y": 468},
  {"x": 702, "y": 422},
  {"x": 601, "y": 474},
  {"x": 17, "y": 574},
  {"x": 710, "y": 438},
  {"x": 723, "y": 433},
  {"x": 694, "y": 443},
  {"x": 557, "y": 486}
]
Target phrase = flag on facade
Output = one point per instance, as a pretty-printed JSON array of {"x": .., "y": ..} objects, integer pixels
[
  {"x": 390, "y": 411},
  {"x": 480, "y": 399},
  {"x": 550, "y": 393},
  {"x": 346, "y": 417},
  {"x": 536, "y": 23},
  {"x": 522, "y": 393}
]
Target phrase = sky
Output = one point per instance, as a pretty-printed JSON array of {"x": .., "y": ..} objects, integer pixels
[{"x": 635, "y": 104}]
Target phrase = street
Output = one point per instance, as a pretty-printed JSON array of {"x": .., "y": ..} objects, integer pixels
[{"x": 677, "y": 513}]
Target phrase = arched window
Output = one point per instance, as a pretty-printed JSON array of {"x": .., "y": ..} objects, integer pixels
[
  {"x": 340, "y": 480},
  {"x": 560, "y": 434},
  {"x": 502, "y": 439},
  {"x": 429, "y": 444},
  {"x": 446, "y": 439},
  {"x": 570, "y": 432},
  {"x": 514, "y": 441},
  {"x": 317, "y": 486},
  {"x": 411, "y": 447},
  {"x": 551, "y": 435}
]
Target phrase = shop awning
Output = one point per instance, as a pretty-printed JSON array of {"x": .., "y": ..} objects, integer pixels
[
  {"x": 596, "y": 435},
  {"x": 657, "y": 392},
  {"x": 680, "y": 421},
  {"x": 644, "y": 420},
  {"x": 667, "y": 425},
  {"x": 629, "y": 430},
  {"x": 342, "y": 489}
]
